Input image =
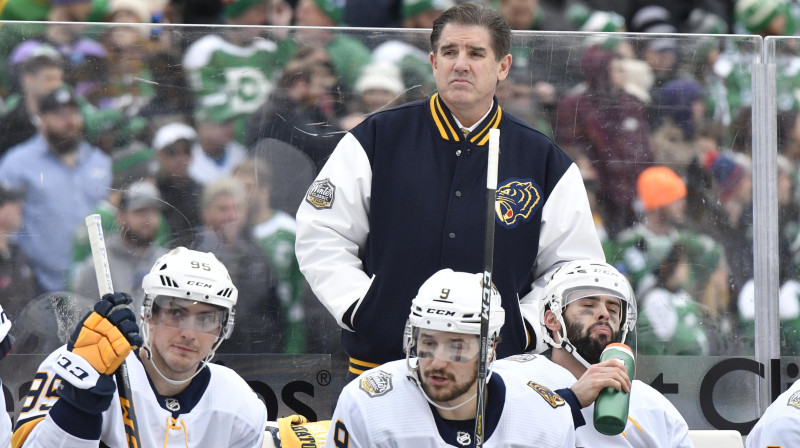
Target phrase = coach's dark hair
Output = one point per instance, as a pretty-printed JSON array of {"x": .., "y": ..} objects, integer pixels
[{"x": 479, "y": 15}]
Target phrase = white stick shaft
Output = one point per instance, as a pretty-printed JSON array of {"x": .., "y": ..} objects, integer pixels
[
  {"x": 488, "y": 263},
  {"x": 99, "y": 255},
  {"x": 494, "y": 155}
]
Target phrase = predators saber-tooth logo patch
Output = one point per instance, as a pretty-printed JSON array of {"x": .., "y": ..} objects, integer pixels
[
  {"x": 516, "y": 201},
  {"x": 552, "y": 398},
  {"x": 321, "y": 194},
  {"x": 794, "y": 400},
  {"x": 376, "y": 384}
]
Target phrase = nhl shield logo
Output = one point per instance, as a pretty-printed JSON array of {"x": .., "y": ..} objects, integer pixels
[
  {"x": 552, "y": 398},
  {"x": 794, "y": 400},
  {"x": 516, "y": 201},
  {"x": 376, "y": 384},
  {"x": 172, "y": 404},
  {"x": 321, "y": 194},
  {"x": 463, "y": 438}
]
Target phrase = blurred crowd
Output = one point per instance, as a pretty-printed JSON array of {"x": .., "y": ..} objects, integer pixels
[{"x": 193, "y": 124}]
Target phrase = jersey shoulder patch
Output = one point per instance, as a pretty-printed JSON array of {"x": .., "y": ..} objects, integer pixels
[
  {"x": 376, "y": 383},
  {"x": 524, "y": 357},
  {"x": 552, "y": 398},
  {"x": 794, "y": 400}
]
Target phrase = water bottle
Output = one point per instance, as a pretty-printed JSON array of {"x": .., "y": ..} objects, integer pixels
[{"x": 611, "y": 406}]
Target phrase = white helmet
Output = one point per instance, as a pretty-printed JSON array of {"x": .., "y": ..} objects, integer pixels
[
  {"x": 451, "y": 301},
  {"x": 191, "y": 275},
  {"x": 585, "y": 278}
]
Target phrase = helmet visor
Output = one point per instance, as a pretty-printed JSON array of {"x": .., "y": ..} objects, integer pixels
[
  {"x": 186, "y": 314},
  {"x": 446, "y": 346}
]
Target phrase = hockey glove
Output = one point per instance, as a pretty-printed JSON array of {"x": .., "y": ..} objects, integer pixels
[
  {"x": 94, "y": 352},
  {"x": 6, "y": 339}
]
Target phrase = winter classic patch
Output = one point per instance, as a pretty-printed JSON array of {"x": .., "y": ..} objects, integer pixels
[{"x": 321, "y": 194}]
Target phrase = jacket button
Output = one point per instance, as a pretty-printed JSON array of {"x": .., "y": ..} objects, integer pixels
[
  {"x": 452, "y": 236},
  {"x": 458, "y": 194},
  {"x": 458, "y": 152}
]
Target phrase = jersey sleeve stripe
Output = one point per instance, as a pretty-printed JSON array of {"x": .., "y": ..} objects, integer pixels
[{"x": 24, "y": 429}]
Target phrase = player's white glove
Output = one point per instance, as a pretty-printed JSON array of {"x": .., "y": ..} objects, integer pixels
[
  {"x": 96, "y": 349},
  {"x": 6, "y": 338}
]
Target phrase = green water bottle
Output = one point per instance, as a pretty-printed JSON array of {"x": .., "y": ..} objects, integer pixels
[{"x": 611, "y": 406}]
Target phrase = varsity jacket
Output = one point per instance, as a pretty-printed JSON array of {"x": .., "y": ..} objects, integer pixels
[{"x": 403, "y": 196}]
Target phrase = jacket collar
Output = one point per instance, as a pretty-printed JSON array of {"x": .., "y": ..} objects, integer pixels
[{"x": 446, "y": 124}]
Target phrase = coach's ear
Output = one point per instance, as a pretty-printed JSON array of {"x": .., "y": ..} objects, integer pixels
[{"x": 553, "y": 325}]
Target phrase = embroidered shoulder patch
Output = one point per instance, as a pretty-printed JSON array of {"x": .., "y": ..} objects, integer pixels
[
  {"x": 794, "y": 400},
  {"x": 552, "y": 398},
  {"x": 321, "y": 194},
  {"x": 376, "y": 384},
  {"x": 516, "y": 201},
  {"x": 523, "y": 357}
]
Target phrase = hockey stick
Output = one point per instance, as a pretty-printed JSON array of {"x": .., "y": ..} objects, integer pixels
[
  {"x": 101, "y": 268},
  {"x": 488, "y": 262}
]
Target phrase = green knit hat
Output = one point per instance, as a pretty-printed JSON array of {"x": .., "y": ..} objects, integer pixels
[
  {"x": 755, "y": 15},
  {"x": 234, "y": 8},
  {"x": 333, "y": 9}
]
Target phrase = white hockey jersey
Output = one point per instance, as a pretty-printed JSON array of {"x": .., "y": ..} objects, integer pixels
[
  {"x": 5, "y": 422},
  {"x": 218, "y": 409},
  {"x": 780, "y": 424},
  {"x": 384, "y": 408},
  {"x": 653, "y": 422}
]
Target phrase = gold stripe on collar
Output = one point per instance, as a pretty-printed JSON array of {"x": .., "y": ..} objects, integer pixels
[
  {"x": 494, "y": 123},
  {"x": 436, "y": 112}
]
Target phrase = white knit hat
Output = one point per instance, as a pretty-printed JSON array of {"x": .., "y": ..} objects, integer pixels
[{"x": 380, "y": 75}]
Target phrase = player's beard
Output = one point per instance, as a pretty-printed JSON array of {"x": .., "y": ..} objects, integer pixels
[
  {"x": 455, "y": 391},
  {"x": 588, "y": 346}
]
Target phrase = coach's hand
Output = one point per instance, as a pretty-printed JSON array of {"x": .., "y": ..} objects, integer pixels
[{"x": 95, "y": 350}]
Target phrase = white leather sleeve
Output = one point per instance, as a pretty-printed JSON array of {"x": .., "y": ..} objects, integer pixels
[{"x": 329, "y": 239}]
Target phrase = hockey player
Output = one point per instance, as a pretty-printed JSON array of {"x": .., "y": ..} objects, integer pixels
[
  {"x": 435, "y": 386},
  {"x": 778, "y": 427},
  {"x": 587, "y": 305},
  {"x": 179, "y": 399},
  {"x": 6, "y": 344}
]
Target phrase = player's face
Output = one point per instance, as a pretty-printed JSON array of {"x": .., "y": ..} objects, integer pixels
[
  {"x": 448, "y": 365},
  {"x": 466, "y": 70},
  {"x": 592, "y": 323},
  {"x": 182, "y": 334}
]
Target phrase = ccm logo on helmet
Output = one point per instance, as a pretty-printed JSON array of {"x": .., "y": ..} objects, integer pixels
[
  {"x": 200, "y": 284},
  {"x": 440, "y": 312}
]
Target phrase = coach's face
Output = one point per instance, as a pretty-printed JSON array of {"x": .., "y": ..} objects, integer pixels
[
  {"x": 448, "y": 365},
  {"x": 467, "y": 70}
]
